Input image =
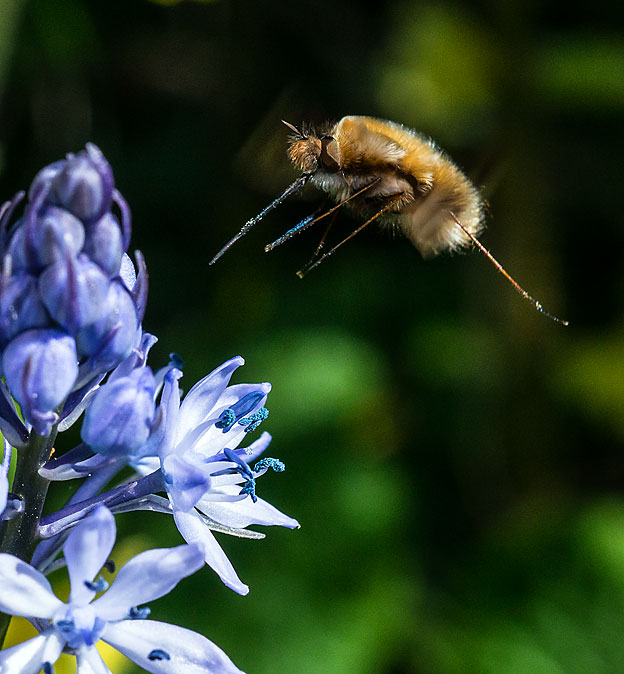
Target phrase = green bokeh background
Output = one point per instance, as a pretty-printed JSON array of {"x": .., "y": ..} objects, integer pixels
[{"x": 455, "y": 459}]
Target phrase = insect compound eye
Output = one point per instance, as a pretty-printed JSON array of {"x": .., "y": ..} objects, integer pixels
[{"x": 330, "y": 154}]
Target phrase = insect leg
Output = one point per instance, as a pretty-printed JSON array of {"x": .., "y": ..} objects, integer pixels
[
  {"x": 308, "y": 222},
  {"x": 295, "y": 187},
  {"x": 322, "y": 241},
  {"x": 501, "y": 270},
  {"x": 309, "y": 267}
]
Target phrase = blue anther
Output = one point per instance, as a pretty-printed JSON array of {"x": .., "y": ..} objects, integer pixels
[
  {"x": 226, "y": 420},
  {"x": 110, "y": 566},
  {"x": 238, "y": 410},
  {"x": 158, "y": 654},
  {"x": 98, "y": 585},
  {"x": 176, "y": 360},
  {"x": 136, "y": 613},
  {"x": 277, "y": 465},
  {"x": 47, "y": 668},
  {"x": 254, "y": 420}
]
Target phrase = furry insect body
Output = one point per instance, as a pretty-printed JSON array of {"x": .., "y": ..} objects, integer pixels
[
  {"x": 391, "y": 175},
  {"x": 410, "y": 169}
]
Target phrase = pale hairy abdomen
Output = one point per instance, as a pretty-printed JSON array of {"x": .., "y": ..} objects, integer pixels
[{"x": 411, "y": 169}]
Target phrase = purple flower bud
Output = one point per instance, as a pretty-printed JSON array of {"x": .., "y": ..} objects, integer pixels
[
  {"x": 111, "y": 338},
  {"x": 75, "y": 292},
  {"x": 119, "y": 419},
  {"x": 60, "y": 234},
  {"x": 21, "y": 251},
  {"x": 21, "y": 307},
  {"x": 40, "y": 367},
  {"x": 84, "y": 185},
  {"x": 46, "y": 239},
  {"x": 104, "y": 244},
  {"x": 43, "y": 179}
]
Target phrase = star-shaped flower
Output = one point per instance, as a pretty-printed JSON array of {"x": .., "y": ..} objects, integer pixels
[
  {"x": 209, "y": 481},
  {"x": 114, "y": 617}
]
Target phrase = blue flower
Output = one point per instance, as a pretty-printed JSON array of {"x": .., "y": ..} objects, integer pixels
[
  {"x": 209, "y": 482},
  {"x": 114, "y": 617}
]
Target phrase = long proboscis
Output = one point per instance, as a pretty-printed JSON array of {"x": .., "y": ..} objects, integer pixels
[
  {"x": 291, "y": 189},
  {"x": 500, "y": 269}
]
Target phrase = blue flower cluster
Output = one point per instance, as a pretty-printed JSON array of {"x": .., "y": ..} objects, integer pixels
[
  {"x": 70, "y": 302},
  {"x": 73, "y": 349}
]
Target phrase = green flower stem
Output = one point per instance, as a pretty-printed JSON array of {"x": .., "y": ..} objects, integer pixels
[{"x": 20, "y": 534}]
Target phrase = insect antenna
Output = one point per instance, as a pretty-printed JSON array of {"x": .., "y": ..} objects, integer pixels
[
  {"x": 501, "y": 270},
  {"x": 309, "y": 221},
  {"x": 309, "y": 267},
  {"x": 295, "y": 130},
  {"x": 291, "y": 189}
]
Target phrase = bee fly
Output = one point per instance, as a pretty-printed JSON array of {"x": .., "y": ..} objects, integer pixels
[{"x": 387, "y": 173}]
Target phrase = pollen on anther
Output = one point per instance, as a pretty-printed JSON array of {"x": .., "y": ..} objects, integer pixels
[
  {"x": 227, "y": 418},
  {"x": 254, "y": 420},
  {"x": 136, "y": 613},
  {"x": 277, "y": 465},
  {"x": 158, "y": 654},
  {"x": 98, "y": 585}
]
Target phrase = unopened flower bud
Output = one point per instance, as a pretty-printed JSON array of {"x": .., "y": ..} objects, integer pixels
[
  {"x": 21, "y": 307},
  {"x": 112, "y": 337},
  {"x": 104, "y": 244},
  {"x": 75, "y": 292},
  {"x": 84, "y": 185},
  {"x": 46, "y": 239},
  {"x": 43, "y": 179},
  {"x": 40, "y": 367},
  {"x": 119, "y": 419}
]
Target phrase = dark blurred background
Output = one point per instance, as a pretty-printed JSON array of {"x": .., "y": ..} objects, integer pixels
[{"x": 455, "y": 459}]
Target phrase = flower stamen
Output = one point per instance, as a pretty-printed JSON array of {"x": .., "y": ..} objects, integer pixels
[
  {"x": 264, "y": 464},
  {"x": 136, "y": 613},
  {"x": 158, "y": 654},
  {"x": 98, "y": 585},
  {"x": 254, "y": 420}
]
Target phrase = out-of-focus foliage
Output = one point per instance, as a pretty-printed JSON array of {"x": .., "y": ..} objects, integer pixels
[{"x": 455, "y": 459}]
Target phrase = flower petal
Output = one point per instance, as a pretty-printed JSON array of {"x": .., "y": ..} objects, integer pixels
[
  {"x": 240, "y": 514},
  {"x": 4, "y": 491},
  {"x": 194, "y": 530},
  {"x": 187, "y": 651},
  {"x": 148, "y": 576},
  {"x": 25, "y": 591},
  {"x": 213, "y": 440},
  {"x": 86, "y": 550},
  {"x": 200, "y": 400},
  {"x": 170, "y": 408},
  {"x": 255, "y": 449},
  {"x": 89, "y": 661},
  {"x": 29, "y": 656}
]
